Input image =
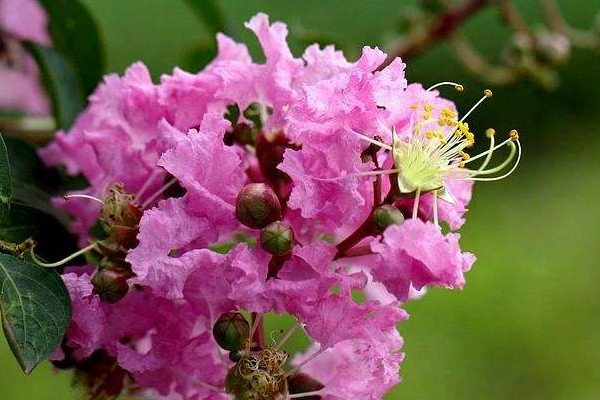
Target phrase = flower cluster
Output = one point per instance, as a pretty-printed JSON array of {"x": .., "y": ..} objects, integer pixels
[
  {"x": 297, "y": 185},
  {"x": 19, "y": 76}
]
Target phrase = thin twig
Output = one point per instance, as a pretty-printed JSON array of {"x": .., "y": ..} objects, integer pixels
[{"x": 441, "y": 28}]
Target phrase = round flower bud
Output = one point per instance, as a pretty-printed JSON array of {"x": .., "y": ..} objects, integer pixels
[
  {"x": 257, "y": 206},
  {"x": 110, "y": 284},
  {"x": 277, "y": 238},
  {"x": 231, "y": 331},
  {"x": 303, "y": 383},
  {"x": 387, "y": 215}
]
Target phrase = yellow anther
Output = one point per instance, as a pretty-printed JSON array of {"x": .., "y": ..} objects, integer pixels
[
  {"x": 414, "y": 107},
  {"x": 427, "y": 115},
  {"x": 488, "y": 93},
  {"x": 459, "y": 88},
  {"x": 461, "y": 164},
  {"x": 428, "y": 108},
  {"x": 464, "y": 155},
  {"x": 514, "y": 135},
  {"x": 429, "y": 134},
  {"x": 490, "y": 132}
]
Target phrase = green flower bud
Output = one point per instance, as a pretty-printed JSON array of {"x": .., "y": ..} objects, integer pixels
[
  {"x": 277, "y": 238},
  {"x": 257, "y": 206},
  {"x": 110, "y": 284},
  {"x": 387, "y": 215},
  {"x": 231, "y": 331}
]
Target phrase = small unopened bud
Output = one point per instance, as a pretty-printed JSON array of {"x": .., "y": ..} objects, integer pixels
[
  {"x": 110, "y": 284},
  {"x": 277, "y": 238},
  {"x": 303, "y": 383},
  {"x": 257, "y": 206},
  {"x": 387, "y": 215},
  {"x": 231, "y": 331}
]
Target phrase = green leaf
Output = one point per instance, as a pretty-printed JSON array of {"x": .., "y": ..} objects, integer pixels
[
  {"x": 210, "y": 13},
  {"x": 61, "y": 84},
  {"x": 5, "y": 180},
  {"x": 36, "y": 310},
  {"x": 75, "y": 35}
]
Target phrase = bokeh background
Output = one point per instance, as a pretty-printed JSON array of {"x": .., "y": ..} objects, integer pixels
[{"x": 527, "y": 325}]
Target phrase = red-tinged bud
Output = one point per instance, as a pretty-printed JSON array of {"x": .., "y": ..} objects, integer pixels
[
  {"x": 257, "y": 206},
  {"x": 231, "y": 331},
  {"x": 277, "y": 238},
  {"x": 387, "y": 215},
  {"x": 303, "y": 383},
  {"x": 110, "y": 284}
]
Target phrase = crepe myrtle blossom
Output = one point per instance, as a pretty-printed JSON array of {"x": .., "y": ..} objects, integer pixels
[
  {"x": 244, "y": 189},
  {"x": 22, "y": 92}
]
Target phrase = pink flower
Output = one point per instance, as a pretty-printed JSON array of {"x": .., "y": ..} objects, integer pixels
[
  {"x": 179, "y": 149},
  {"x": 115, "y": 140},
  {"x": 22, "y": 90},
  {"x": 417, "y": 254},
  {"x": 24, "y": 20},
  {"x": 356, "y": 369}
]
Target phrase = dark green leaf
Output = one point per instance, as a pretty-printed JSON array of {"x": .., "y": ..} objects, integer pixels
[
  {"x": 210, "y": 13},
  {"x": 36, "y": 310},
  {"x": 75, "y": 35},
  {"x": 61, "y": 84},
  {"x": 5, "y": 180}
]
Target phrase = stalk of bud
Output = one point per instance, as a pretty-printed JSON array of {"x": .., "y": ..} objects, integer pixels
[{"x": 257, "y": 206}]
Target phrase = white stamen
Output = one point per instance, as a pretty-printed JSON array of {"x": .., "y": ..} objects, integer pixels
[
  {"x": 83, "y": 196},
  {"x": 146, "y": 184},
  {"x": 156, "y": 194},
  {"x": 288, "y": 335},
  {"x": 435, "y": 208},
  {"x": 437, "y": 85},
  {"x": 305, "y": 394},
  {"x": 373, "y": 141},
  {"x": 497, "y": 178},
  {"x": 416, "y": 204},
  {"x": 306, "y": 361},
  {"x": 473, "y": 108}
]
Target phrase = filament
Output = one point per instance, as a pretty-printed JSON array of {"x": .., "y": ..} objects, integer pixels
[
  {"x": 497, "y": 178},
  {"x": 435, "y": 208},
  {"x": 83, "y": 196},
  {"x": 513, "y": 150},
  {"x": 146, "y": 184},
  {"x": 160, "y": 191},
  {"x": 288, "y": 335},
  {"x": 416, "y": 204},
  {"x": 491, "y": 134},
  {"x": 371, "y": 140},
  {"x": 305, "y": 394},
  {"x": 487, "y": 94},
  {"x": 457, "y": 86},
  {"x": 306, "y": 361},
  {"x": 64, "y": 260}
]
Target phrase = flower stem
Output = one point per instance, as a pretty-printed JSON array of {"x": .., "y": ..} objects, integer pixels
[{"x": 64, "y": 260}]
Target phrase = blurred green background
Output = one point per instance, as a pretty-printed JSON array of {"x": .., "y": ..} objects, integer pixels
[{"x": 527, "y": 325}]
